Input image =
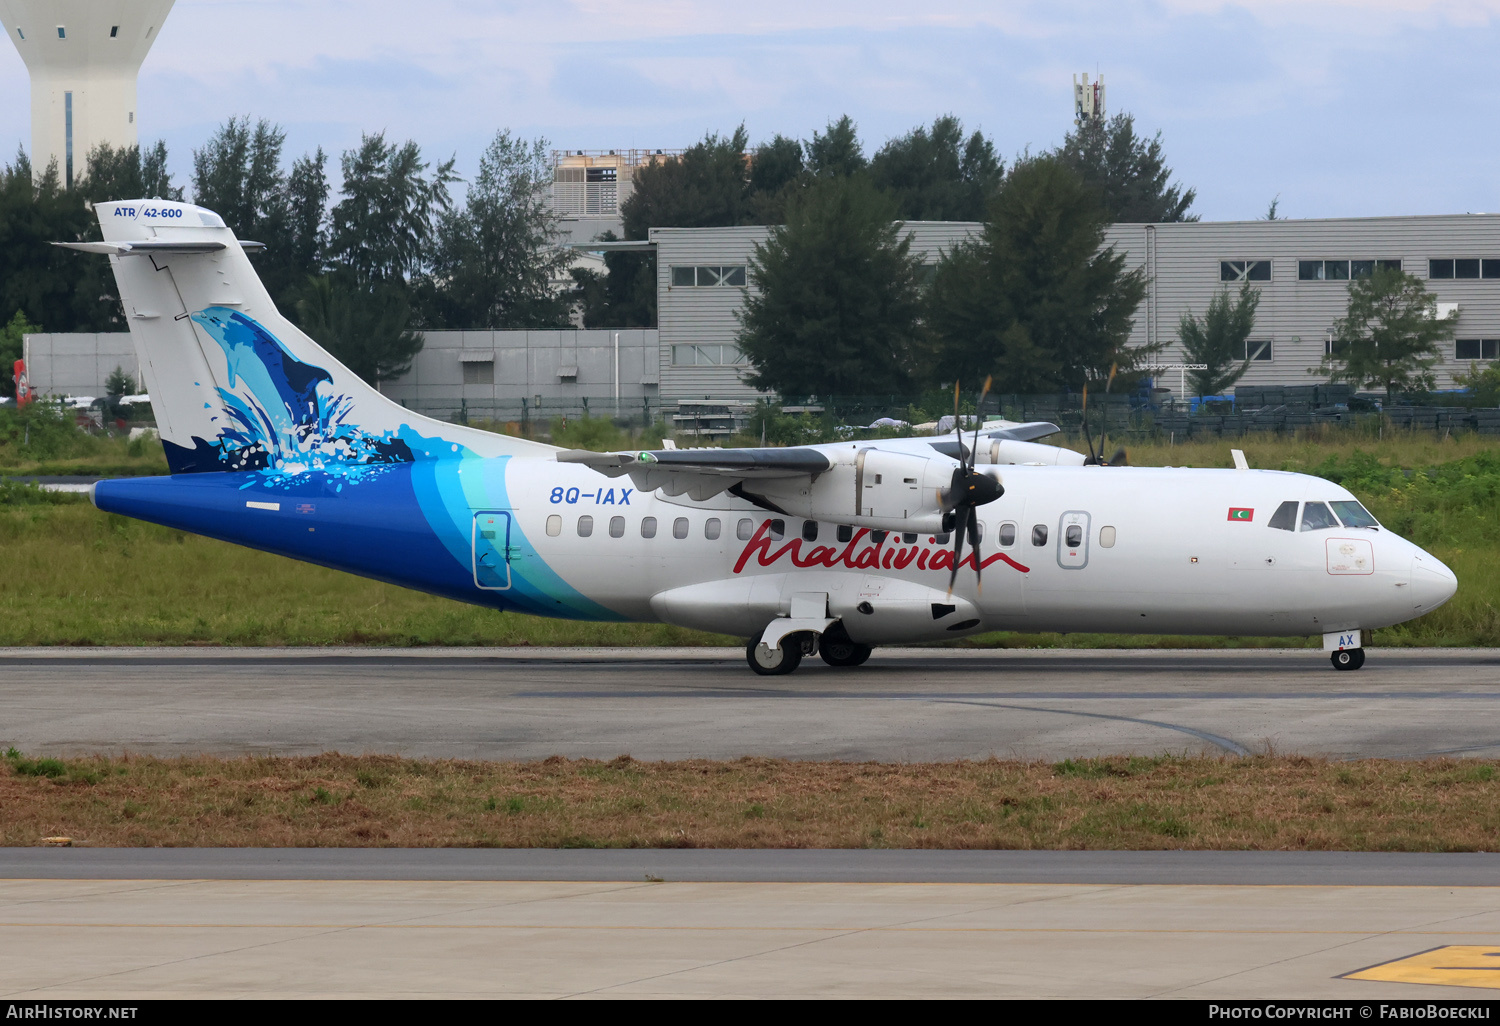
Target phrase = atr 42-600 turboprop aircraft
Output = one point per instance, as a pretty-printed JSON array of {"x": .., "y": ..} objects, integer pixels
[{"x": 833, "y": 549}]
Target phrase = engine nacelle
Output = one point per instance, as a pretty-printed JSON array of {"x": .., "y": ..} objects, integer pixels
[
  {"x": 998, "y": 451},
  {"x": 874, "y": 488}
]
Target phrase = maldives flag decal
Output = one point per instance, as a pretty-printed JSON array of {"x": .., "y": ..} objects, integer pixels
[{"x": 1237, "y": 513}]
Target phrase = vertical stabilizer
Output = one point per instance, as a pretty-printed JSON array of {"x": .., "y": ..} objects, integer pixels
[{"x": 234, "y": 384}]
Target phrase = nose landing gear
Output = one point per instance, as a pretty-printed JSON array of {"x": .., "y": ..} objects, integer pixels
[{"x": 1348, "y": 659}]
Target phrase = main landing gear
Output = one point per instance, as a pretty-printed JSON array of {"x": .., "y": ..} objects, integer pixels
[
  {"x": 1348, "y": 659},
  {"x": 834, "y": 646}
]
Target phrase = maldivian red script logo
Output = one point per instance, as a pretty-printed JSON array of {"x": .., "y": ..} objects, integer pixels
[{"x": 860, "y": 553}]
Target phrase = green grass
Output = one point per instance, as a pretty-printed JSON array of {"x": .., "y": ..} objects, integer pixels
[{"x": 75, "y": 576}]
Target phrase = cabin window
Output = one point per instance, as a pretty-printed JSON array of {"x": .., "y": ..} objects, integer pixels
[
  {"x": 1073, "y": 535},
  {"x": 809, "y": 530},
  {"x": 1106, "y": 537},
  {"x": 942, "y": 539},
  {"x": 680, "y": 528},
  {"x": 878, "y": 537},
  {"x": 745, "y": 529},
  {"x": 1039, "y": 535},
  {"x": 845, "y": 533},
  {"x": 1007, "y": 535},
  {"x": 1316, "y": 516},
  {"x": 909, "y": 538},
  {"x": 711, "y": 528},
  {"x": 1353, "y": 514},
  {"x": 554, "y": 526},
  {"x": 617, "y": 527},
  {"x": 1285, "y": 517},
  {"x": 648, "y": 527},
  {"x": 585, "y": 526},
  {"x": 778, "y": 530}
]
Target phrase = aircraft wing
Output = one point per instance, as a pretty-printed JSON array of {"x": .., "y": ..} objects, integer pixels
[{"x": 701, "y": 473}]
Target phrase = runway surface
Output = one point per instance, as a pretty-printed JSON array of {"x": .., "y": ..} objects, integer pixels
[
  {"x": 907, "y": 705},
  {"x": 126, "y": 939}
]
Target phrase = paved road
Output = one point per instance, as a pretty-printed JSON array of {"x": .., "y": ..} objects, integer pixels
[
  {"x": 125, "y": 939},
  {"x": 680, "y": 703}
]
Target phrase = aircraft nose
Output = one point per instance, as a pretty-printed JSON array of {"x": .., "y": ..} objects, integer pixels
[{"x": 1432, "y": 583}]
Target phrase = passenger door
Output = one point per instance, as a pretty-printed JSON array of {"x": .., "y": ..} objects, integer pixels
[{"x": 491, "y": 550}]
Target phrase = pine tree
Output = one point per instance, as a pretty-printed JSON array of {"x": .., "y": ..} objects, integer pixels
[
  {"x": 938, "y": 175},
  {"x": 1127, "y": 173},
  {"x": 1218, "y": 339},
  {"x": 1388, "y": 338}
]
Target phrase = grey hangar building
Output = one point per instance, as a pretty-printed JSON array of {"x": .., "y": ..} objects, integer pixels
[{"x": 689, "y": 366}]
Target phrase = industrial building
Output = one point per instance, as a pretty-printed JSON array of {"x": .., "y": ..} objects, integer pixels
[{"x": 83, "y": 57}]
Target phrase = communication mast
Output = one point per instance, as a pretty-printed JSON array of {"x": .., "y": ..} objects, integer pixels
[
  {"x": 84, "y": 57},
  {"x": 1088, "y": 100}
]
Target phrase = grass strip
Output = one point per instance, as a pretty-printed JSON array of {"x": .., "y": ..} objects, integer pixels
[{"x": 1120, "y": 803}]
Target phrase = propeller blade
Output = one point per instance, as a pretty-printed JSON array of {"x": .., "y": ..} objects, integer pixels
[
  {"x": 974, "y": 544},
  {"x": 959, "y": 528},
  {"x": 978, "y": 415},
  {"x": 1087, "y": 434},
  {"x": 1104, "y": 417},
  {"x": 1120, "y": 458}
]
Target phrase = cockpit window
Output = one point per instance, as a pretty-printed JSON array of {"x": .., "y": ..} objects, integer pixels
[
  {"x": 1353, "y": 514},
  {"x": 1316, "y": 516},
  {"x": 1285, "y": 517}
]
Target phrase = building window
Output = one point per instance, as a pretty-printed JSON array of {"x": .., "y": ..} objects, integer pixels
[
  {"x": 1466, "y": 268},
  {"x": 1491, "y": 268},
  {"x": 1244, "y": 270},
  {"x": 62, "y": 33},
  {"x": 707, "y": 356},
  {"x": 477, "y": 372},
  {"x": 731, "y": 276},
  {"x": 1440, "y": 268},
  {"x": 1476, "y": 349},
  {"x": 1254, "y": 349},
  {"x": 1342, "y": 270},
  {"x": 1463, "y": 267}
]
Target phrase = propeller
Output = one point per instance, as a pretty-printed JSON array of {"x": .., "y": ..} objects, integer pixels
[
  {"x": 968, "y": 490},
  {"x": 1095, "y": 457}
]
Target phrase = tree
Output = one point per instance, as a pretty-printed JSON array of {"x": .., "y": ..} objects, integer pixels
[
  {"x": 65, "y": 291},
  {"x": 708, "y": 186},
  {"x": 494, "y": 262},
  {"x": 128, "y": 173},
  {"x": 238, "y": 175},
  {"x": 12, "y": 348},
  {"x": 119, "y": 383},
  {"x": 1035, "y": 299},
  {"x": 938, "y": 175},
  {"x": 1126, "y": 171},
  {"x": 623, "y": 296},
  {"x": 382, "y": 229},
  {"x": 364, "y": 325},
  {"x": 1389, "y": 336},
  {"x": 837, "y": 301},
  {"x": 1218, "y": 339},
  {"x": 837, "y": 152},
  {"x": 776, "y": 170}
]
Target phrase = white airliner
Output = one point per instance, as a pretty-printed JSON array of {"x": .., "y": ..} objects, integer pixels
[{"x": 833, "y": 549}]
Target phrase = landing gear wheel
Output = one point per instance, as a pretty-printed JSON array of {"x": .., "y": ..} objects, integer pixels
[
  {"x": 1348, "y": 659},
  {"x": 843, "y": 653},
  {"x": 773, "y": 662}
]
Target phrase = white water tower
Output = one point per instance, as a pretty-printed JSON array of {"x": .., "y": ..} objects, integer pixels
[{"x": 83, "y": 56}]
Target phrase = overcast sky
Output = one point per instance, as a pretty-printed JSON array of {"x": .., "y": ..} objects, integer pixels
[{"x": 1364, "y": 107}]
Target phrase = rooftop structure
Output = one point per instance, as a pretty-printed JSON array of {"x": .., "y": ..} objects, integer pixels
[{"x": 83, "y": 56}]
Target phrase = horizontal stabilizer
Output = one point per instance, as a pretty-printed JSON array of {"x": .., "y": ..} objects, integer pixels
[{"x": 146, "y": 248}]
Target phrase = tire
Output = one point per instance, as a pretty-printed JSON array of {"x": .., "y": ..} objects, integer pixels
[
  {"x": 843, "y": 653},
  {"x": 776, "y": 661},
  {"x": 1348, "y": 659}
]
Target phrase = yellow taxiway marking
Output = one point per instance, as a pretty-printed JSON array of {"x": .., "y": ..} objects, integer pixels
[{"x": 1453, "y": 965}]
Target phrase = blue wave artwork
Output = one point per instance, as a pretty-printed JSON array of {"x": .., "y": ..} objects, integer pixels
[{"x": 281, "y": 415}]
